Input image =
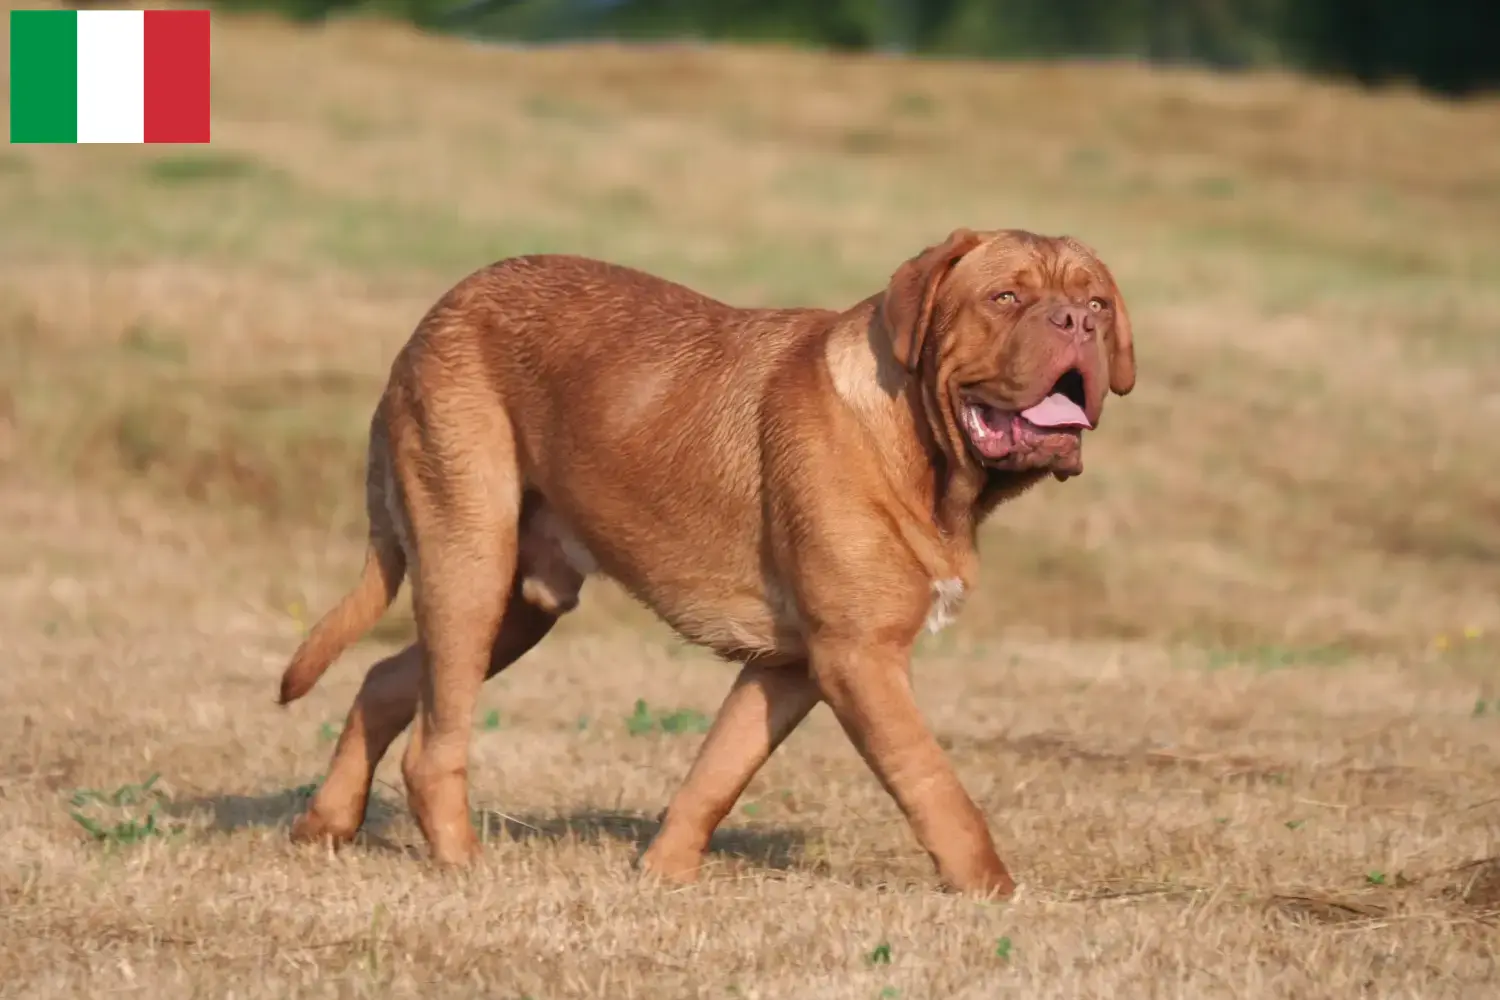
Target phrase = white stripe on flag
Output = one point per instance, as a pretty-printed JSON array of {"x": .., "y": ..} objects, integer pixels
[{"x": 111, "y": 76}]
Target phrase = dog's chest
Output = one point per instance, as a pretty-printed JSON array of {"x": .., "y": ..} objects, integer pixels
[{"x": 947, "y": 602}]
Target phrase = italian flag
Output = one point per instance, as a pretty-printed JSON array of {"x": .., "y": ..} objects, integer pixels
[{"x": 109, "y": 76}]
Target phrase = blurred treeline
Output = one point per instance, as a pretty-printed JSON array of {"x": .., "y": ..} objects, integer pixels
[{"x": 1449, "y": 46}]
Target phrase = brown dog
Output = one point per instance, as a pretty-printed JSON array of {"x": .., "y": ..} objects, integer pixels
[{"x": 795, "y": 489}]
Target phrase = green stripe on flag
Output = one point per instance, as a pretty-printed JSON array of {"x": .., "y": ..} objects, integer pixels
[{"x": 43, "y": 76}]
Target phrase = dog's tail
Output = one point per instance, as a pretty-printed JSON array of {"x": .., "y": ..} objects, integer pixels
[
  {"x": 362, "y": 607},
  {"x": 352, "y": 617}
]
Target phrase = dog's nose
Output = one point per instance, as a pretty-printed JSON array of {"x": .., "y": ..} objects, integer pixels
[{"x": 1072, "y": 319}]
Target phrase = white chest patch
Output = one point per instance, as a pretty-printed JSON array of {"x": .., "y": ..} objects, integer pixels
[{"x": 947, "y": 601}]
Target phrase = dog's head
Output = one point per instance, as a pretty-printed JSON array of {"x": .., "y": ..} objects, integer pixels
[{"x": 1018, "y": 339}]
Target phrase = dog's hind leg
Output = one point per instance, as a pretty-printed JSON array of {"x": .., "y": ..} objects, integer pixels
[
  {"x": 383, "y": 708},
  {"x": 453, "y": 453},
  {"x": 387, "y": 700}
]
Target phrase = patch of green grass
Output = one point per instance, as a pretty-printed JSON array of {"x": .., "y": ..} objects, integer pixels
[
  {"x": 867, "y": 140},
  {"x": 117, "y": 819},
  {"x": 683, "y": 720},
  {"x": 913, "y": 104},
  {"x": 1003, "y": 949},
  {"x": 1217, "y": 188},
  {"x": 626, "y": 203},
  {"x": 202, "y": 168},
  {"x": 880, "y": 955},
  {"x": 351, "y": 124},
  {"x": 307, "y": 791},
  {"x": 641, "y": 721},
  {"x": 153, "y": 345},
  {"x": 139, "y": 440},
  {"x": 551, "y": 108},
  {"x": 491, "y": 721},
  {"x": 1088, "y": 159}
]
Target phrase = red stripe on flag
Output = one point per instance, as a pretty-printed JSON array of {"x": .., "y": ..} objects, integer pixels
[{"x": 177, "y": 86}]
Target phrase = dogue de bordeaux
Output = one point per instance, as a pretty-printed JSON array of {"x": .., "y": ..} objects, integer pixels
[{"x": 797, "y": 490}]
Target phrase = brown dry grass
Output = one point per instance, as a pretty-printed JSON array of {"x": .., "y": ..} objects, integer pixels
[{"x": 1229, "y": 703}]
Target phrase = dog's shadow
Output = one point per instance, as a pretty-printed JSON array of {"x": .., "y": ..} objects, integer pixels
[{"x": 777, "y": 848}]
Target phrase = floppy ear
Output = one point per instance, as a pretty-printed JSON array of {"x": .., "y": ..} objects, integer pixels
[
  {"x": 906, "y": 309},
  {"x": 1121, "y": 345}
]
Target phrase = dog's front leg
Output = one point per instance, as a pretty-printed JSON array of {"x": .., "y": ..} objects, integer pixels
[
  {"x": 764, "y": 706},
  {"x": 868, "y": 686}
]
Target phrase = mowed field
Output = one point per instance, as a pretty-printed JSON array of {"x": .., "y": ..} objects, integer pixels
[{"x": 1230, "y": 700}]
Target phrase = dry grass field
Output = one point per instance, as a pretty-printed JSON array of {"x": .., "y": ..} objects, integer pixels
[{"x": 1230, "y": 700}]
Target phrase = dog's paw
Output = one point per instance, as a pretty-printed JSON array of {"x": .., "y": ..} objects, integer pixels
[
  {"x": 681, "y": 867},
  {"x": 311, "y": 828}
]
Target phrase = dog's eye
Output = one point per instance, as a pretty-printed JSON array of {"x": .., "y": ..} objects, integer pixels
[
  {"x": 1004, "y": 296},
  {"x": 1097, "y": 304}
]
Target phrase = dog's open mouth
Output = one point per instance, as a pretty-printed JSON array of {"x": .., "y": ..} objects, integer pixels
[{"x": 1049, "y": 433}]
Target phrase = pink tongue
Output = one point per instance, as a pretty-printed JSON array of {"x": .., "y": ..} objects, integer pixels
[{"x": 1057, "y": 410}]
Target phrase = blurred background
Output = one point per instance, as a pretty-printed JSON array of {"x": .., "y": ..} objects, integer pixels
[
  {"x": 1302, "y": 200},
  {"x": 1447, "y": 45}
]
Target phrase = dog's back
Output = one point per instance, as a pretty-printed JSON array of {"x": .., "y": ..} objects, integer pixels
[{"x": 636, "y": 407}]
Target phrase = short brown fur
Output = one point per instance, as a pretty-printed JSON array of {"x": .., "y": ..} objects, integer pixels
[{"x": 794, "y": 489}]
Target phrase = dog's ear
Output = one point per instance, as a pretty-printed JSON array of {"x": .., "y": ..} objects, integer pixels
[
  {"x": 1121, "y": 343},
  {"x": 906, "y": 308}
]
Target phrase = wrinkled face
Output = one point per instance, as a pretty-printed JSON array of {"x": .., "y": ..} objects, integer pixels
[{"x": 1024, "y": 337}]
